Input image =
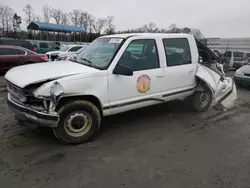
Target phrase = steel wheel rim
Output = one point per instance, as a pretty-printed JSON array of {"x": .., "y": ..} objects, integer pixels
[
  {"x": 204, "y": 99},
  {"x": 75, "y": 128}
]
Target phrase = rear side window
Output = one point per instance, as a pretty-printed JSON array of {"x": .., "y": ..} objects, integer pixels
[
  {"x": 248, "y": 55},
  {"x": 238, "y": 54},
  {"x": 11, "y": 51},
  {"x": 177, "y": 51},
  {"x": 228, "y": 54},
  {"x": 44, "y": 45}
]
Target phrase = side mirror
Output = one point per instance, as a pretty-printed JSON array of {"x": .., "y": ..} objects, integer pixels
[{"x": 123, "y": 70}]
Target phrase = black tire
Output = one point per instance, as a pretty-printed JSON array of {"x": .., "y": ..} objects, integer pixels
[
  {"x": 197, "y": 100},
  {"x": 68, "y": 121}
]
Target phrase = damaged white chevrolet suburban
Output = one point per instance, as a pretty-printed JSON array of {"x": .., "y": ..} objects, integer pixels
[{"x": 114, "y": 74}]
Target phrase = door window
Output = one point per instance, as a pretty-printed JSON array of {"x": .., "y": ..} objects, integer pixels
[
  {"x": 44, "y": 45},
  {"x": 141, "y": 54},
  {"x": 177, "y": 51},
  {"x": 11, "y": 51}
]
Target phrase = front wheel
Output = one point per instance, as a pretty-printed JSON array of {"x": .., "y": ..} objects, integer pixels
[
  {"x": 201, "y": 100},
  {"x": 79, "y": 122}
]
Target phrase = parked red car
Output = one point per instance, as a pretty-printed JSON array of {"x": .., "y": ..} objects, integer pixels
[{"x": 11, "y": 56}]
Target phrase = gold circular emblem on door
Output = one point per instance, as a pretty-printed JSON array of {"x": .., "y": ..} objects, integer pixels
[{"x": 143, "y": 83}]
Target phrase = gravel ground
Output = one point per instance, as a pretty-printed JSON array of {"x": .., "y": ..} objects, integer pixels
[{"x": 161, "y": 146}]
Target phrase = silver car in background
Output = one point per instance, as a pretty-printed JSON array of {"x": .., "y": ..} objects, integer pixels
[
  {"x": 242, "y": 75},
  {"x": 233, "y": 59},
  {"x": 70, "y": 55}
]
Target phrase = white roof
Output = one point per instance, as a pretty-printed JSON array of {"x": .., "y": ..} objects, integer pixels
[{"x": 126, "y": 35}]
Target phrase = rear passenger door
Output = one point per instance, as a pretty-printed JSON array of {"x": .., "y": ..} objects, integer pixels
[{"x": 180, "y": 68}]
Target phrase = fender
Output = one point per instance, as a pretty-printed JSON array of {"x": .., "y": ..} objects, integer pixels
[
  {"x": 208, "y": 76},
  {"x": 223, "y": 88}
]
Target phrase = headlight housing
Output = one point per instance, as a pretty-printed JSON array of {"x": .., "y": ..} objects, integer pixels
[{"x": 239, "y": 73}]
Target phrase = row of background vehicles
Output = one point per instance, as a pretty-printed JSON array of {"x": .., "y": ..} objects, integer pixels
[
  {"x": 239, "y": 61},
  {"x": 19, "y": 52}
]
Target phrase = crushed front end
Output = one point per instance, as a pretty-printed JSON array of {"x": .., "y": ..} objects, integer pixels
[{"x": 28, "y": 108}]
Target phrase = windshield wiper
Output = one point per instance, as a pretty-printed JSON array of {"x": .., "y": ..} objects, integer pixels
[{"x": 84, "y": 59}]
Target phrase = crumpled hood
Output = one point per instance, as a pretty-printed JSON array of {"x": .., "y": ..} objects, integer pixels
[{"x": 25, "y": 75}]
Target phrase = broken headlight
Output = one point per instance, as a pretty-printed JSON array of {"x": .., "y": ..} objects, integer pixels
[{"x": 56, "y": 90}]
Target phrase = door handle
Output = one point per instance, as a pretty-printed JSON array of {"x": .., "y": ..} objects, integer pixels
[{"x": 159, "y": 77}]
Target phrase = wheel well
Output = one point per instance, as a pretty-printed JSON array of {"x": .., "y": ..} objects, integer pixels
[
  {"x": 201, "y": 85},
  {"x": 90, "y": 98}
]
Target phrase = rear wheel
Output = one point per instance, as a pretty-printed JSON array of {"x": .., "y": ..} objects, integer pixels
[
  {"x": 201, "y": 100},
  {"x": 79, "y": 122}
]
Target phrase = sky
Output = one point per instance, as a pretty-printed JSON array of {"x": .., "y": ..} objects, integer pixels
[{"x": 215, "y": 18}]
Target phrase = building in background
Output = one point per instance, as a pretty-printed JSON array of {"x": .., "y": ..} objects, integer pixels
[{"x": 228, "y": 44}]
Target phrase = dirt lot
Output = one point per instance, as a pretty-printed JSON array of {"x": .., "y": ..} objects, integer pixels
[{"x": 160, "y": 146}]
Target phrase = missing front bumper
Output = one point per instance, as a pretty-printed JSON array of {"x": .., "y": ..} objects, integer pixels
[{"x": 27, "y": 114}]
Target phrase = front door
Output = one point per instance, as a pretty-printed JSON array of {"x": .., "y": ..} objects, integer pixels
[{"x": 146, "y": 84}]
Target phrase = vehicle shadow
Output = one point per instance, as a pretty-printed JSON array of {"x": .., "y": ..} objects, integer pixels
[
  {"x": 144, "y": 115},
  {"x": 132, "y": 121}
]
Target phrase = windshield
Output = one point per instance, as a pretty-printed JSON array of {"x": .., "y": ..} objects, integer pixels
[
  {"x": 64, "y": 48},
  {"x": 100, "y": 52}
]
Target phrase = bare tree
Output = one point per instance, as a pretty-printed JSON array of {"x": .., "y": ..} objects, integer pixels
[
  {"x": 172, "y": 26},
  {"x": 37, "y": 18},
  {"x": 65, "y": 19},
  {"x": 151, "y": 26},
  {"x": 57, "y": 15},
  {"x": 99, "y": 25},
  {"x": 29, "y": 13},
  {"x": 7, "y": 18},
  {"x": 186, "y": 30},
  {"x": 2, "y": 18},
  {"x": 74, "y": 16},
  {"x": 46, "y": 13},
  {"x": 83, "y": 20},
  {"x": 91, "y": 21},
  {"x": 110, "y": 26},
  {"x": 197, "y": 34}
]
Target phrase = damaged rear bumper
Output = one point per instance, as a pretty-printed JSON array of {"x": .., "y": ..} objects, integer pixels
[
  {"x": 228, "y": 100},
  {"x": 29, "y": 115}
]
